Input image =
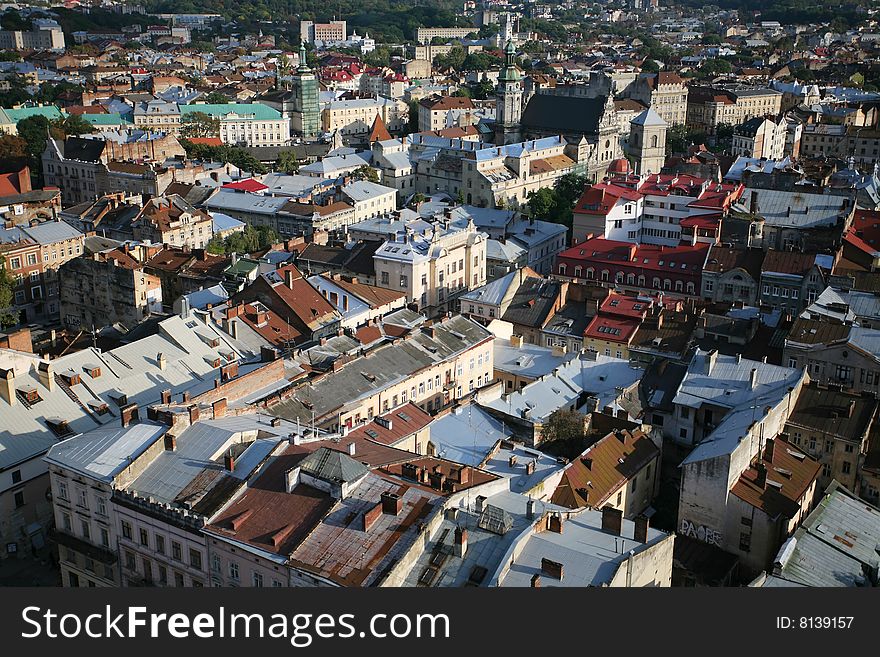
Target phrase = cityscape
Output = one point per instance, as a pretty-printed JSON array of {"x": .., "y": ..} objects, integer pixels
[{"x": 410, "y": 293}]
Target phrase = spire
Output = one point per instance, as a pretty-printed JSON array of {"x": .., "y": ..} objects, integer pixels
[
  {"x": 379, "y": 132},
  {"x": 510, "y": 73},
  {"x": 303, "y": 61}
]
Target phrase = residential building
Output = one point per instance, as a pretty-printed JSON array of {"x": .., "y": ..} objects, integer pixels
[
  {"x": 763, "y": 137},
  {"x": 833, "y": 426},
  {"x": 621, "y": 470},
  {"x": 428, "y": 34},
  {"x": 46, "y": 34},
  {"x": 171, "y": 220},
  {"x": 158, "y": 115},
  {"x": 790, "y": 281},
  {"x": 664, "y": 92},
  {"x": 354, "y": 118},
  {"x": 357, "y": 302},
  {"x": 709, "y": 107},
  {"x": 322, "y": 33},
  {"x": 439, "y": 112},
  {"x": 732, "y": 275},
  {"x": 369, "y": 199},
  {"x": 252, "y": 124}
]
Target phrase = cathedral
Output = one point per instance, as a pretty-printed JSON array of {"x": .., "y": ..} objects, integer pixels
[{"x": 589, "y": 125}]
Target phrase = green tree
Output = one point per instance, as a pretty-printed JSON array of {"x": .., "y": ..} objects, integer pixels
[
  {"x": 35, "y": 131},
  {"x": 650, "y": 66},
  {"x": 366, "y": 173},
  {"x": 8, "y": 315},
  {"x": 216, "y": 98},
  {"x": 12, "y": 146},
  {"x": 287, "y": 162},
  {"x": 199, "y": 124},
  {"x": 542, "y": 203},
  {"x": 73, "y": 125},
  {"x": 564, "y": 425},
  {"x": 251, "y": 239}
]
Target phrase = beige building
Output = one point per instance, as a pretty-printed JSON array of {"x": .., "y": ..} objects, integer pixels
[
  {"x": 440, "y": 112},
  {"x": 45, "y": 35},
  {"x": 248, "y": 124},
  {"x": 709, "y": 107},
  {"x": 435, "y": 266},
  {"x": 663, "y": 92},
  {"x": 426, "y": 34},
  {"x": 171, "y": 220},
  {"x": 157, "y": 115},
  {"x": 354, "y": 118}
]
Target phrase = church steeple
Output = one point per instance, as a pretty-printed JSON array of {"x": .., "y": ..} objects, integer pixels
[
  {"x": 303, "y": 61},
  {"x": 510, "y": 73},
  {"x": 508, "y": 108}
]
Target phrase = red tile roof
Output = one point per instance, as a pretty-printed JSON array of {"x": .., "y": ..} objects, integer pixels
[
  {"x": 394, "y": 426},
  {"x": 249, "y": 185}
]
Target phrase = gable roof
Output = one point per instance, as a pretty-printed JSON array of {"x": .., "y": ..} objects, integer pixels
[{"x": 563, "y": 114}]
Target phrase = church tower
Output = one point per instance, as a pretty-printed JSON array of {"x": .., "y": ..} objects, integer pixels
[
  {"x": 508, "y": 110},
  {"x": 647, "y": 142},
  {"x": 305, "y": 116}
]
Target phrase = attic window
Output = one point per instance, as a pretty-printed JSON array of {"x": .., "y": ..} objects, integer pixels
[
  {"x": 798, "y": 455},
  {"x": 371, "y": 433},
  {"x": 119, "y": 398},
  {"x": 404, "y": 417},
  {"x": 785, "y": 473},
  {"x": 777, "y": 485},
  {"x": 99, "y": 407}
]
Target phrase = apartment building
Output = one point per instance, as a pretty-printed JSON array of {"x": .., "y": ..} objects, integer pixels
[
  {"x": 664, "y": 92},
  {"x": 45, "y": 35},
  {"x": 355, "y": 118},
  {"x": 157, "y": 114},
  {"x": 709, "y": 107},
  {"x": 440, "y": 112},
  {"x": 427, "y": 34},
  {"x": 248, "y": 124},
  {"x": 325, "y": 33},
  {"x": 663, "y": 209},
  {"x": 765, "y": 137},
  {"x": 108, "y": 288},
  {"x": 432, "y": 262},
  {"x": 862, "y": 144},
  {"x": 430, "y": 366},
  {"x": 790, "y": 281},
  {"x": 23, "y": 261},
  {"x": 171, "y": 220}
]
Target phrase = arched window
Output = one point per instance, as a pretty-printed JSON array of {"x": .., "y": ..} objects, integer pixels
[
  {"x": 667, "y": 284},
  {"x": 604, "y": 274},
  {"x": 690, "y": 288},
  {"x": 618, "y": 278},
  {"x": 562, "y": 269},
  {"x": 641, "y": 281},
  {"x": 591, "y": 274},
  {"x": 577, "y": 271},
  {"x": 655, "y": 283},
  {"x": 630, "y": 279},
  {"x": 678, "y": 286},
  {"x": 654, "y": 141}
]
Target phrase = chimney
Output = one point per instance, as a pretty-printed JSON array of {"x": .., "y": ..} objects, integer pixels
[
  {"x": 370, "y": 517},
  {"x": 554, "y": 523},
  {"x": 128, "y": 414},
  {"x": 219, "y": 408},
  {"x": 761, "y": 478},
  {"x": 461, "y": 542},
  {"x": 711, "y": 357},
  {"x": 392, "y": 503},
  {"x": 587, "y": 461},
  {"x": 768, "y": 450},
  {"x": 612, "y": 519},
  {"x": 170, "y": 442},
  {"x": 288, "y": 278},
  {"x": 535, "y": 581},
  {"x": 229, "y": 461},
  {"x": 184, "y": 397},
  {"x": 753, "y": 206},
  {"x": 166, "y": 396},
  {"x": 160, "y": 361},
  {"x": 551, "y": 568},
  {"x": 352, "y": 449},
  {"x": 753, "y": 378},
  {"x": 7, "y": 386},
  {"x": 640, "y": 532},
  {"x": 193, "y": 414},
  {"x": 463, "y": 476},
  {"x": 46, "y": 373},
  {"x": 530, "y": 509}
]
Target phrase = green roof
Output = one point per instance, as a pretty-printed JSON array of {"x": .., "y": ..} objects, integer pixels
[
  {"x": 49, "y": 111},
  {"x": 260, "y": 112},
  {"x": 105, "y": 119}
]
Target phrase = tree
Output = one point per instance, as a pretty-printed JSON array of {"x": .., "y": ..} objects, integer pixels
[
  {"x": 215, "y": 98},
  {"x": 8, "y": 315},
  {"x": 251, "y": 239},
  {"x": 650, "y": 66},
  {"x": 564, "y": 424},
  {"x": 287, "y": 162},
  {"x": 542, "y": 203},
  {"x": 12, "y": 147},
  {"x": 199, "y": 124},
  {"x": 366, "y": 173},
  {"x": 35, "y": 131},
  {"x": 73, "y": 125}
]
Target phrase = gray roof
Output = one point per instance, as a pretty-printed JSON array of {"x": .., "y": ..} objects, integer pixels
[
  {"x": 49, "y": 232},
  {"x": 467, "y": 435},
  {"x": 648, "y": 118},
  {"x": 529, "y": 360},
  {"x": 104, "y": 453},
  {"x": 836, "y": 545},
  {"x": 728, "y": 385},
  {"x": 791, "y": 209},
  {"x": 493, "y": 292},
  {"x": 232, "y": 201},
  {"x": 334, "y": 466}
]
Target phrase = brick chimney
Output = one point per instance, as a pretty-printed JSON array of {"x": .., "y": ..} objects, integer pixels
[
  {"x": 184, "y": 397},
  {"x": 193, "y": 414},
  {"x": 535, "y": 581},
  {"x": 554, "y": 523},
  {"x": 370, "y": 517},
  {"x": 161, "y": 361},
  {"x": 461, "y": 541},
  {"x": 219, "y": 408},
  {"x": 128, "y": 414},
  {"x": 166, "y": 396},
  {"x": 551, "y": 568},
  {"x": 288, "y": 278},
  {"x": 640, "y": 532},
  {"x": 229, "y": 461},
  {"x": 612, "y": 519},
  {"x": 392, "y": 503}
]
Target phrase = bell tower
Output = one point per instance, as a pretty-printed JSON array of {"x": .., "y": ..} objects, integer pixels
[{"x": 508, "y": 111}]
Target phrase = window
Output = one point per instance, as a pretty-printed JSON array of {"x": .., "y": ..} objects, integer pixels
[
  {"x": 130, "y": 562},
  {"x": 258, "y": 580},
  {"x": 84, "y": 499},
  {"x": 175, "y": 551},
  {"x": 685, "y": 412},
  {"x": 19, "y": 499},
  {"x": 105, "y": 537},
  {"x": 163, "y": 575},
  {"x": 619, "y": 497},
  {"x": 845, "y": 467},
  {"x": 126, "y": 530},
  {"x": 178, "y": 579},
  {"x": 385, "y": 278},
  {"x": 102, "y": 506},
  {"x": 233, "y": 571},
  {"x": 683, "y": 433},
  {"x": 144, "y": 537},
  {"x": 216, "y": 564},
  {"x": 195, "y": 558},
  {"x": 86, "y": 529},
  {"x": 746, "y": 521},
  {"x": 745, "y": 541},
  {"x": 848, "y": 448},
  {"x": 65, "y": 521},
  {"x": 16, "y": 476},
  {"x": 160, "y": 544}
]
